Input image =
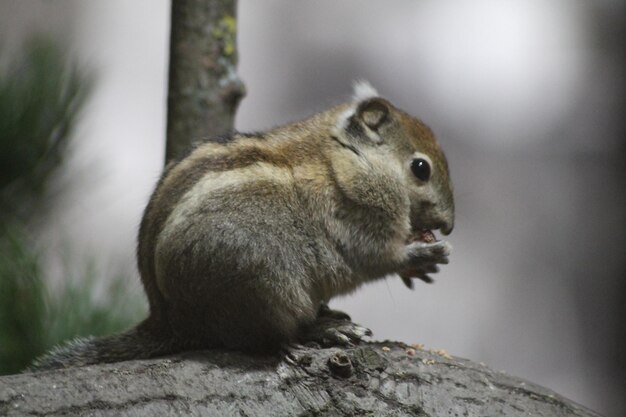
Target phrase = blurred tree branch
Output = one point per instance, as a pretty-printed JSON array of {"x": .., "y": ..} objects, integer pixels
[{"x": 204, "y": 89}]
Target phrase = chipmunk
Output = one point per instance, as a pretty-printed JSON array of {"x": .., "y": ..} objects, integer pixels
[{"x": 246, "y": 239}]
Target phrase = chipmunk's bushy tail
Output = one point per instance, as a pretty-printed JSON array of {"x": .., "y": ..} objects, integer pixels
[{"x": 135, "y": 343}]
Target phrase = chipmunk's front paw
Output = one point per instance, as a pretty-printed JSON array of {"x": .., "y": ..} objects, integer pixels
[
  {"x": 331, "y": 332},
  {"x": 423, "y": 259},
  {"x": 434, "y": 252}
]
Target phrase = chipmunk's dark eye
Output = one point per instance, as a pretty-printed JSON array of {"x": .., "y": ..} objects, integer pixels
[{"x": 421, "y": 169}]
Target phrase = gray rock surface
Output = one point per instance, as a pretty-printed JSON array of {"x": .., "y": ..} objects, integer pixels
[{"x": 377, "y": 379}]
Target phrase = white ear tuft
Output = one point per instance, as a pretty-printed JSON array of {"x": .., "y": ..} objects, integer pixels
[{"x": 363, "y": 90}]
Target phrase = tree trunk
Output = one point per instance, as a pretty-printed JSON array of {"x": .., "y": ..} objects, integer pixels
[
  {"x": 204, "y": 90},
  {"x": 376, "y": 379}
]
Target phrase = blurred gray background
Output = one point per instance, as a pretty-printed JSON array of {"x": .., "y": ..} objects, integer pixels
[{"x": 526, "y": 96}]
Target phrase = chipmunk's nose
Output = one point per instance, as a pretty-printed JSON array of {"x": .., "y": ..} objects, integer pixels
[
  {"x": 446, "y": 222},
  {"x": 447, "y": 228}
]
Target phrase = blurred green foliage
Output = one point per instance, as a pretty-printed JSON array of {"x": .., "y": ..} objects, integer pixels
[
  {"x": 40, "y": 100},
  {"x": 33, "y": 318},
  {"x": 22, "y": 305}
]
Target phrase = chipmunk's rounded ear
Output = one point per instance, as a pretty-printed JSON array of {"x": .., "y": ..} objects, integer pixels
[
  {"x": 373, "y": 112},
  {"x": 361, "y": 122}
]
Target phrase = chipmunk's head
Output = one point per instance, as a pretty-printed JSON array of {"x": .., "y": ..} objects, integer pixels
[{"x": 372, "y": 123}]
